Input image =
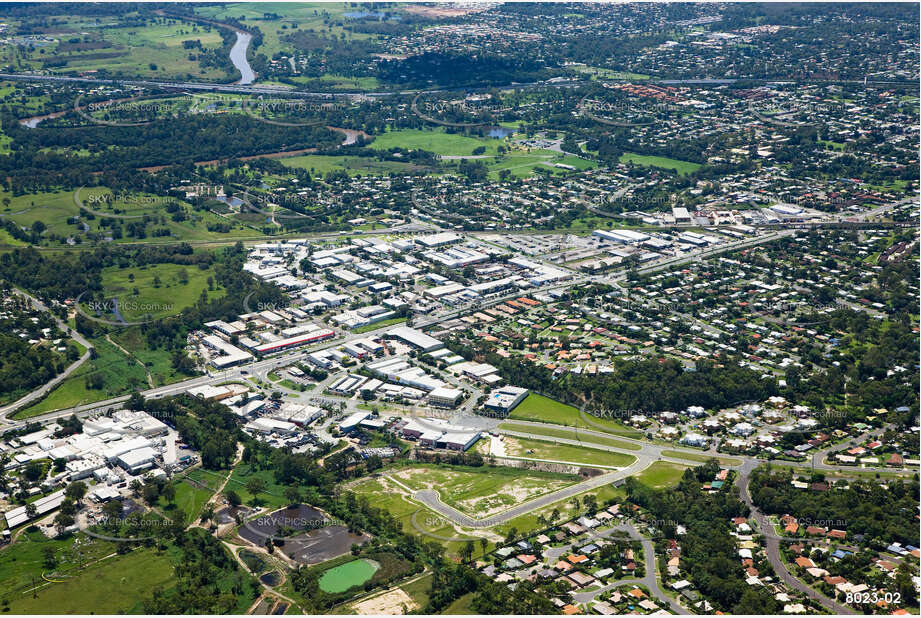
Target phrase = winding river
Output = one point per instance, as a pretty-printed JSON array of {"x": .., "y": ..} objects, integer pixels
[{"x": 238, "y": 58}]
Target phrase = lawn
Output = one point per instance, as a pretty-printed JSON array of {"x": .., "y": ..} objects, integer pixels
[
  {"x": 436, "y": 141},
  {"x": 682, "y": 167},
  {"x": 539, "y": 408},
  {"x": 155, "y": 291},
  {"x": 158, "y": 362},
  {"x": 189, "y": 498},
  {"x": 725, "y": 461},
  {"x": 543, "y": 409},
  {"x": 59, "y": 212},
  {"x": 364, "y": 166},
  {"x": 539, "y": 449},
  {"x": 113, "y": 585},
  {"x": 382, "y": 324},
  {"x": 661, "y": 474},
  {"x": 460, "y": 606},
  {"x": 419, "y": 589},
  {"x": 273, "y": 495},
  {"x": 569, "y": 434}
]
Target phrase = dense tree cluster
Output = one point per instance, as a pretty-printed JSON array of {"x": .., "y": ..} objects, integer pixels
[
  {"x": 643, "y": 386},
  {"x": 884, "y": 514},
  {"x": 708, "y": 551}
]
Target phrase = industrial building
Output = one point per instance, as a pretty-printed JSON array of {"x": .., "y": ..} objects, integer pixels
[{"x": 504, "y": 400}]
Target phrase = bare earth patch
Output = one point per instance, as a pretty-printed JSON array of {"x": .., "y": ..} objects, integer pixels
[{"x": 392, "y": 603}]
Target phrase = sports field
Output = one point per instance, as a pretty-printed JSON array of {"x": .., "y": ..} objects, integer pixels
[{"x": 437, "y": 141}]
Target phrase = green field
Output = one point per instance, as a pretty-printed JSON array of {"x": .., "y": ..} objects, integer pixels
[
  {"x": 273, "y": 496},
  {"x": 661, "y": 474},
  {"x": 725, "y": 461},
  {"x": 569, "y": 434},
  {"x": 344, "y": 576},
  {"x": 190, "y": 498},
  {"x": 87, "y": 577},
  {"x": 480, "y": 492},
  {"x": 418, "y": 590},
  {"x": 682, "y": 167},
  {"x": 543, "y": 409},
  {"x": 382, "y": 324},
  {"x": 148, "y": 50},
  {"x": 155, "y": 291},
  {"x": 436, "y": 141},
  {"x": 539, "y": 449},
  {"x": 120, "y": 375},
  {"x": 60, "y": 213},
  {"x": 460, "y": 606}
]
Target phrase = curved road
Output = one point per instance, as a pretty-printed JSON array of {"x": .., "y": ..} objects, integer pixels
[
  {"x": 431, "y": 499},
  {"x": 772, "y": 542},
  {"x": 51, "y": 384},
  {"x": 650, "y": 578}
]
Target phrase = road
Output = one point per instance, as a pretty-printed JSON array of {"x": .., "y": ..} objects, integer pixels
[
  {"x": 431, "y": 499},
  {"x": 46, "y": 388},
  {"x": 772, "y": 544},
  {"x": 650, "y": 578}
]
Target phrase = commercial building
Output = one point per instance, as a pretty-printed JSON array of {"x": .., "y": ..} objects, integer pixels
[
  {"x": 229, "y": 354},
  {"x": 415, "y": 338},
  {"x": 504, "y": 400},
  {"x": 445, "y": 397},
  {"x": 291, "y": 342}
]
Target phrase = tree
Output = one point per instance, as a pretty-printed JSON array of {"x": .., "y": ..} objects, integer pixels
[
  {"x": 151, "y": 493},
  {"x": 62, "y": 521},
  {"x": 293, "y": 495},
  {"x": 75, "y": 491},
  {"x": 207, "y": 513},
  {"x": 483, "y": 544},
  {"x": 467, "y": 551},
  {"x": 233, "y": 498},
  {"x": 33, "y": 471},
  {"x": 48, "y": 558},
  {"x": 255, "y": 485},
  {"x": 512, "y": 533},
  {"x": 169, "y": 492}
]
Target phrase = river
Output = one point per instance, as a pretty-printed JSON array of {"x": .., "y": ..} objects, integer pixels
[{"x": 238, "y": 58}]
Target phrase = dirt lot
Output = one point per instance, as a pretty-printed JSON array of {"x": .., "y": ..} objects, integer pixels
[{"x": 391, "y": 603}]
